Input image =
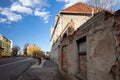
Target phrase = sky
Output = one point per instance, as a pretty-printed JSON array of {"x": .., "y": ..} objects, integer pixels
[{"x": 29, "y": 21}]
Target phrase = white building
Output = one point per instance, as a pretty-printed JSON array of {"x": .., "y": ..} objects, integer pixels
[{"x": 73, "y": 16}]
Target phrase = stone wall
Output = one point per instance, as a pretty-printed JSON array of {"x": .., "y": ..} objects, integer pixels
[
  {"x": 115, "y": 70},
  {"x": 61, "y": 29},
  {"x": 102, "y": 34},
  {"x": 54, "y": 52},
  {"x": 101, "y": 51}
]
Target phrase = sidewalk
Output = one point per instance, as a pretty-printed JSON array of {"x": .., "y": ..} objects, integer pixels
[{"x": 47, "y": 70}]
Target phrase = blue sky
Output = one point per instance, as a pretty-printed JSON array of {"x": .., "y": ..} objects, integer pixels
[{"x": 29, "y": 21}]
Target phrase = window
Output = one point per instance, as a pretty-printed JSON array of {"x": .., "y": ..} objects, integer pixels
[{"x": 82, "y": 46}]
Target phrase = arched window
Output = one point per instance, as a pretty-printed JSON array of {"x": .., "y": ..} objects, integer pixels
[{"x": 65, "y": 35}]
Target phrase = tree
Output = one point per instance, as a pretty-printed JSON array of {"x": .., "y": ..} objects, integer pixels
[
  {"x": 15, "y": 50},
  {"x": 32, "y": 49},
  {"x": 37, "y": 54},
  {"x": 105, "y": 4},
  {"x": 25, "y": 48}
]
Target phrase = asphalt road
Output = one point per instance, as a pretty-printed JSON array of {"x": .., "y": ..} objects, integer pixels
[
  {"x": 47, "y": 70},
  {"x": 12, "y": 68}
]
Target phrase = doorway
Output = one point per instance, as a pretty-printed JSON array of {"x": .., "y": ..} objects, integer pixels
[
  {"x": 82, "y": 57},
  {"x": 64, "y": 59}
]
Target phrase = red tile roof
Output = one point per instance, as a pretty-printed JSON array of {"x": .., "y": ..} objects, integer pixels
[{"x": 79, "y": 8}]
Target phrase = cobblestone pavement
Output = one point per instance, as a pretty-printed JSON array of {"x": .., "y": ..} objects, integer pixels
[{"x": 46, "y": 71}]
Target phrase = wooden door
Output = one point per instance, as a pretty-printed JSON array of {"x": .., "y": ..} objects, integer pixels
[
  {"x": 82, "y": 58},
  {"x": 64, "y": 59}
]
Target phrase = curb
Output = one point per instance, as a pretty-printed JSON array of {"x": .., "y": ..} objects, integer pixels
[
  {"x": 28, "y": 68},
  {"x": 33, "y": 66}
]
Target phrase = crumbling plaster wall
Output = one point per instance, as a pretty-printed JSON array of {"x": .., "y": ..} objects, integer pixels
[
  {"x": 73, "y": 57},
  {"x": 78, "y": 19},
  {"x": 54, "y": 52},
  {"x": 101, "y": 53},
  {"x": 103, "y": 48},
  {"x": 61, "y": 26},
  {"x": 115, "y": 71}
]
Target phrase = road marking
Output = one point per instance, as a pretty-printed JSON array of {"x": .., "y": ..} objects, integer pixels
[{"x": 15, "y": 62}]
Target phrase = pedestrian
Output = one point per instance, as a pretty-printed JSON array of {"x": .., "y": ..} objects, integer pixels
[{"x": 39, "y": 60}]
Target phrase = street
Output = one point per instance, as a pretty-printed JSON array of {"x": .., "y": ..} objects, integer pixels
[
  {"x": 12, "y": 68},
  {"x": 46, "y": 71}
]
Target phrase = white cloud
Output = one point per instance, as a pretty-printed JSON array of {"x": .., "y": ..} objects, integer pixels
[
  {"x": 70, "y": 2},
  {"x": 0, "y": 8},
  {"x": 2, "y": 20},
  {"x": 111, "y": 4},
  {"x": 26, "y": 2},
  {"x": 10, "y": 15},
  {"x": 34, "y": 3},
  {"x": 43, "y": 14},
  {"x": 15, "y": 12},
  {"x": 21, "y": 9},
  {"x": 108, "y": 4}
]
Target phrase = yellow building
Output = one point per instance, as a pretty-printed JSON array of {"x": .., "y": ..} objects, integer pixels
[
  {"x": 31, "y": 49},
  {"x": 1, "y": 49},
  {"x": 5, "y": 44}
]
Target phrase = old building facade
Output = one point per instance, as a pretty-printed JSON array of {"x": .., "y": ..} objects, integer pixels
[
  {"x": 92, "y": 50},
  {"x": 70, "y": 16},
  {"x": 89, "y": 53},
  {"x": 5, "y": 45}
]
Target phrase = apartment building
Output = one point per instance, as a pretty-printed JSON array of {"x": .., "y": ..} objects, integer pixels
[
  {"x": 1, "y": 49},
  {"x": 5, "y": 44}
]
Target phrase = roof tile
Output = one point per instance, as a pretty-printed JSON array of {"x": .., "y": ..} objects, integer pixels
[{"x": 79, "y": 7}]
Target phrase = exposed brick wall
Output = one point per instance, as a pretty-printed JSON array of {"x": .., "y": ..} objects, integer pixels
[
  {"x": 100, "y": 58},
  {"x": 115, "y": 70},
  {"x": 83, "y": 66}
]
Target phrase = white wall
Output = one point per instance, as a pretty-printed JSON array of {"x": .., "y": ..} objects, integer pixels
[{"x": 63, "y": 21}]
